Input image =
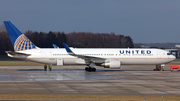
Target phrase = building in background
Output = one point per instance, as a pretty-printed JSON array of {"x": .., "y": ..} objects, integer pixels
[
  {"x": 175, "y": 52},
  {"x": 177, "y": 46}
]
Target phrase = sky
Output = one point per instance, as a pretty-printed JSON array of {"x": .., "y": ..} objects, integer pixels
[{"x": 145, "y": 21}]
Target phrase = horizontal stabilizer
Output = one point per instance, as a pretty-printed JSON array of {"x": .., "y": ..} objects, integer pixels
[{"x": 17, "y": 53}]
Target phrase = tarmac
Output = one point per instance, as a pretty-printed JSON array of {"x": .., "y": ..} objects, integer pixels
[{"x": 129, "y": 80}]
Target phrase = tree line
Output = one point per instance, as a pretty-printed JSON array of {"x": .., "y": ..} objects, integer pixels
[{"x": 73, "y": 39}]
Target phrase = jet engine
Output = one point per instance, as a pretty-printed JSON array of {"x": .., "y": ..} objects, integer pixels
[{"x": 112, "y": 64}]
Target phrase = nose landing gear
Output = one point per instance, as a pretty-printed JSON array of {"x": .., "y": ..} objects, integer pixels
[{"x": 159, "y": 67}]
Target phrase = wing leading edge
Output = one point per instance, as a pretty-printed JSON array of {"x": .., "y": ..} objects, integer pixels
[{"x": 87, "y": 58}]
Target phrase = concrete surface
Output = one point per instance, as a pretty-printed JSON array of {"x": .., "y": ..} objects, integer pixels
[{"x": 129, "y": 80}]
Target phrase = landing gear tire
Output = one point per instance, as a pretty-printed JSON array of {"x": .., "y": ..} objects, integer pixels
[
  {"x": 93, "y": 69},
  {"x": 86, "y": 69},
  {"x": 89, "y": 69}
]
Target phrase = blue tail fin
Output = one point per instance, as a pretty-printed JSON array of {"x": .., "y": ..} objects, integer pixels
[{"x": 19, "y": 41}]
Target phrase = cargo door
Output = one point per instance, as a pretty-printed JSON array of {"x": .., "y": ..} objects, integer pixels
[{"x": 60, "y": 62}]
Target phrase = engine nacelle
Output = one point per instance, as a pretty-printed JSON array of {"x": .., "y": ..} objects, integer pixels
[{"x": 113, "y": 64}]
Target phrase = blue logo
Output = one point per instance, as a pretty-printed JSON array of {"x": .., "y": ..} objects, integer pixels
[
  {"x": 135, "y": 52},
  {"x": 23, "y": 43}
]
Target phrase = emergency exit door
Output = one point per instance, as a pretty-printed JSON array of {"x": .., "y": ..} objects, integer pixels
[{"x": 60, "y": 62}]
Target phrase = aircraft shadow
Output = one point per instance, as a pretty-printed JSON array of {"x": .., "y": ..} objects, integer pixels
[
  {"x": 120, "y": 70},
  {"x": 98, "y": 70}
]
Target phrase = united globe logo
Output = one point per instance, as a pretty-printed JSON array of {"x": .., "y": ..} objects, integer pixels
[{"x": 23, "y": 43}]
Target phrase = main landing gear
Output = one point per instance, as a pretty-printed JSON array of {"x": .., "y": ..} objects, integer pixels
[{"x": 90, "y": 68}]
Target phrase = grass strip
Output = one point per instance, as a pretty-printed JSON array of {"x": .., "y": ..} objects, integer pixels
[
  {"x": 19, "y": 63},
  {"x": 173, "y": 64},
  {"x": 90, "y": 97}
]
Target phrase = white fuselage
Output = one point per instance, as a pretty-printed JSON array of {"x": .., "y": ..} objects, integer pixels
[{"x": 125, "y": 55}]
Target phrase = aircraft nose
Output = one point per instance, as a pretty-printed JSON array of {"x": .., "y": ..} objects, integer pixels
[{"x": 172, "y": 57}]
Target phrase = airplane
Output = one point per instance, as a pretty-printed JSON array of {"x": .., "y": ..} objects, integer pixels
[{"x": 105, "y": 57}]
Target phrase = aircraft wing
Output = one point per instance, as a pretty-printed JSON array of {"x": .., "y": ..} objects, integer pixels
[
  {"x": 17, "y": 53},
  {"x": 87, "y": 58}
]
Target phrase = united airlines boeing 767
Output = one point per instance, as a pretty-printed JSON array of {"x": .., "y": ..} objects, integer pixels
[{"x": 105, "y": 57}]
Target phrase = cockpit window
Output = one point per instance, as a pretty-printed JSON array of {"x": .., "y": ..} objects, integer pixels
[{"x": 168, "y": 53}]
